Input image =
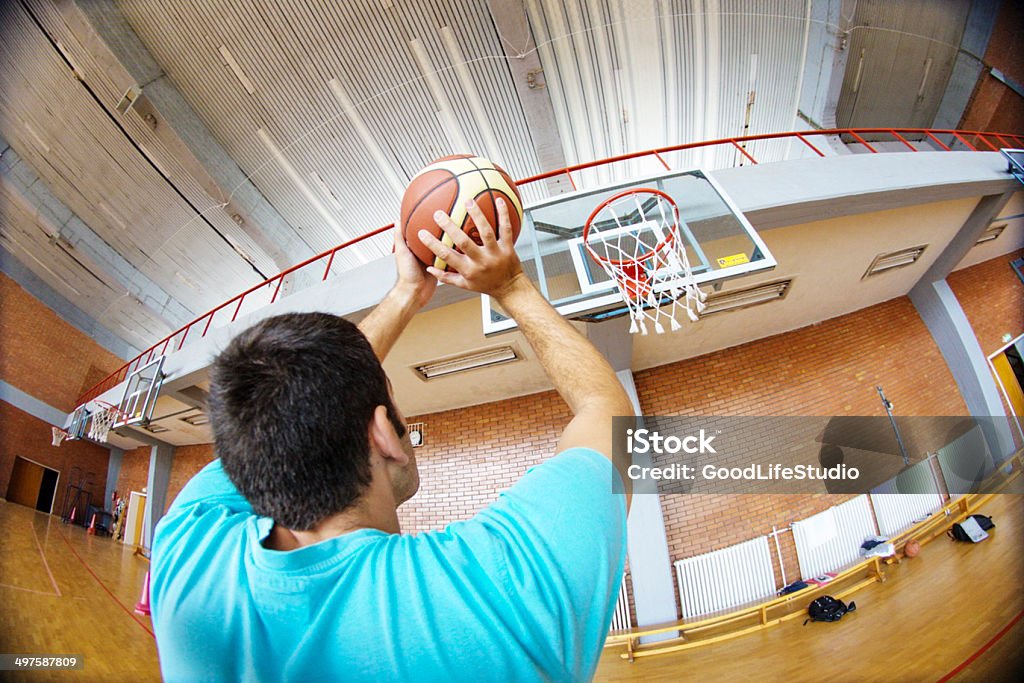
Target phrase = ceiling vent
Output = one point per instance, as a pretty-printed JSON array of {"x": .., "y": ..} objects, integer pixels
[
  {"x": 991, "y": 233},
  {"x": 895, "y": 259},
  {"x": 155, "y": 428},
  {"x": 741, "y": 298},
  {"x": 470, "y": 361}
]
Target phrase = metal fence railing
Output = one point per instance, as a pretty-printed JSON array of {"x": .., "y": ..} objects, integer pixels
[{"x": 944, "y": 140}]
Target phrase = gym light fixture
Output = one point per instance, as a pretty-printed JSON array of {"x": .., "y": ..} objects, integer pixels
[
  {"x": 236, "y": 69},
  {"x": 470, "y": 361}
]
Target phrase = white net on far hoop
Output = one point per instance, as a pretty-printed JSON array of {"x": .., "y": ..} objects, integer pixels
[
  {"x": 634, "y": 235},
  {"x": 58, "y": 435},
  {"x": 100, "y": 423}
]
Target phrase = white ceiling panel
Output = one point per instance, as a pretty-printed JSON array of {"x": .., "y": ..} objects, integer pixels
[
  {"x": 353, "y": 97},
  {"x": 88, "y": 163},
  {"x": 628, "y": 76}
]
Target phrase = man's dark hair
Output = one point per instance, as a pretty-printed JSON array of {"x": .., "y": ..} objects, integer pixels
[{"x": 291, "y": 399}]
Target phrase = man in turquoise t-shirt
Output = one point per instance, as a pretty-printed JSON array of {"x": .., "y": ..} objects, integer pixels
[{"x": 284, "y": 561}]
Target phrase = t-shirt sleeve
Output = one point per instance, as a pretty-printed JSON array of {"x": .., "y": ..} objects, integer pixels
[
  {"x": 561, "y": 534},
  {"x": 211, "y": 486}
]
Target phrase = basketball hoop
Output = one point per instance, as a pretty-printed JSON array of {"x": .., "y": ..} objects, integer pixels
[
  {"x": 634, "y": 235},
  {"x": 101, "y": 422},
  {"x": 58, "y": 435}
]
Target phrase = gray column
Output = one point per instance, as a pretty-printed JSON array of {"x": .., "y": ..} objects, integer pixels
[
  {"x": 650, "y": 566},
  {"x": 113, "y": 472},
  {"x": 826, "y": 62},
  {"x": 161, "y": 457},
  {"x": 952, "y": 332},
  {"x": 968, "y": 64},
  {"x": 941, "y": 312}
]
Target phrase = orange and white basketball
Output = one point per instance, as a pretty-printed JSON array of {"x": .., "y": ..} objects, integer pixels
[{"x": 445, "y": 185}]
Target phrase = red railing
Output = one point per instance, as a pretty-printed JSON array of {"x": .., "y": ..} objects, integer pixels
[{"x": 965, "y": 137}]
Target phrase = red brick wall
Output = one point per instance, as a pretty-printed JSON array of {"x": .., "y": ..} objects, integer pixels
[
  {"x": 993, "y": 105},
  {"x": 43, "y": 355},
  {"x": 188, "y": 460},
  {"x": 134, "y": 474},
  {"x": 472, "y": 454},
  {"x": 992, "y": 297},
  {"x": 27, "y": 436},
  {"x": 830, "y": 368}
]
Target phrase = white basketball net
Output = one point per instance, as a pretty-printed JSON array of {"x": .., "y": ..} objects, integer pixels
[
  {"x": 100, "y": 424},
  {"x": 635, "y": 237},
  {"x": 58, "y": 435}
]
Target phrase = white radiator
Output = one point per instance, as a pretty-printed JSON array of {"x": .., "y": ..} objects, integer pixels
[
  {"x": 831, "y": 539},
  {"x": 620, "y": 617},
  {"x": 897, "y": 511},
  {"x": 906, "y": 498},
  {"x": 725, "y": 578}
]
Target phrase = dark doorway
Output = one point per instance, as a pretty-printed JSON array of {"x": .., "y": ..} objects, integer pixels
[
  {"x": 47, "y": 489},
  {"x": 32, "y": 484}
]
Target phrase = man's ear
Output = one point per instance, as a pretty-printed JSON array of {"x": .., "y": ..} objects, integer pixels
[{"x": 384, "y": 438}]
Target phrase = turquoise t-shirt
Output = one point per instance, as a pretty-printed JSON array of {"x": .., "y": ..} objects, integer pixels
[{"x": 523, "y": 591}]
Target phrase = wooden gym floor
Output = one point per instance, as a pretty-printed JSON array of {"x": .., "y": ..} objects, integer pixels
[{"x": 955, "y": 608}]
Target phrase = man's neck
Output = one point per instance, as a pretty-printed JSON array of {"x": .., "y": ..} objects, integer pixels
[{"x": 370, "y": 512}]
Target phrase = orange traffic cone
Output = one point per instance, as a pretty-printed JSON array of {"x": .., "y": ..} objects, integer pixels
[
  {"x": 92, "y": 525},
  {"x": 73, "y": 511},
  {"x": 142, "y": 606}
]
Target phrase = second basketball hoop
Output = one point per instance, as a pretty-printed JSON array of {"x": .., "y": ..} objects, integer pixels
[{"x": 634, "y": 236}]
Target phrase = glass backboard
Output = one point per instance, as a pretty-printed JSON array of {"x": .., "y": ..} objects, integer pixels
[{"x": 720, "y": 244}]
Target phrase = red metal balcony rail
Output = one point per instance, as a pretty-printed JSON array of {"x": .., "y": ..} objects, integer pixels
[{"x": 975, "y": 141}]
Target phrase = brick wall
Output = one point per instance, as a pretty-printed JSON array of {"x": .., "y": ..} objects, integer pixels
[
  {"x": 134, "y": 474},
  {"x": 992, "y": 297},
  {"x": 23, "y": 435},
  {"x": 994, "y": 105},
  {"x": 188, "y": 460},
  {"x": 472, "y": 454},
  {"x": 830, "y": 368},
  {"x": 43, "y": 355}
]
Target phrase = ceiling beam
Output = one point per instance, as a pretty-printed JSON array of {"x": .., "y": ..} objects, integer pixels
[
  {"x": 102, "y": 30},
  {"x": 513, "y": 27}
]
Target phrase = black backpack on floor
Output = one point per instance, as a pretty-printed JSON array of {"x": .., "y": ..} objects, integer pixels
[
  {"x": 957, "y": 532},
  {"x": 827, "y": 608}
]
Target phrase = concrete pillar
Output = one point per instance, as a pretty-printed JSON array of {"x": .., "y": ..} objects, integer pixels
[
  {"x": 825, "y": 63},
  {"x": 952, "y": 332},
  {"x": 650, "y": 566},
  {"x": 941, "y": 312},
  {"x": 161, "y": 457},
  {"x": 968, "y": 64},
  {"x": 113, "y": 471}
]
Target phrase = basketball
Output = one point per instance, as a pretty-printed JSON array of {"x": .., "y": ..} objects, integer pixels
[
  {"x": 445, "y": 185},
  {"x": 912, "y": 548}
]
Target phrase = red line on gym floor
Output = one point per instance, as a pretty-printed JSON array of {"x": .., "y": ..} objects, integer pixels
[
  {"x": 104, "y": 586},
  {"x": 983, "y": 649}
]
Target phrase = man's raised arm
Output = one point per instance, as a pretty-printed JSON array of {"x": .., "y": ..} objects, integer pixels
[
  {"x": 411, "y": 292},
  {"x": 582, "y": 376}
]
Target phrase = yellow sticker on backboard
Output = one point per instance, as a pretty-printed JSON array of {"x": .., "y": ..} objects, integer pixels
[{"x": 734, "y": 260}]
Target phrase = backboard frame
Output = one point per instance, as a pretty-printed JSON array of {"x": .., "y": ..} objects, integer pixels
[
  {"x": 144, "y": 383},
  {"x": 608, "y": 300}
]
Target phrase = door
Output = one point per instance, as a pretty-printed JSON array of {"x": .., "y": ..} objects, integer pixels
[
  {"x": 26, "y": 479},
  {"x": 1009, "y": 369}
]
